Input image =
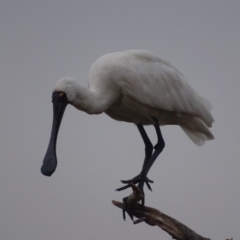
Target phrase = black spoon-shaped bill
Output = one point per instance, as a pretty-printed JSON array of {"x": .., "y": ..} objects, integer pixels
[{"x": 60, "y": 102}]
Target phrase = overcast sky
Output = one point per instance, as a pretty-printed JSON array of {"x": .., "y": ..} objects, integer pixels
[{"x": 42, "y": 41}]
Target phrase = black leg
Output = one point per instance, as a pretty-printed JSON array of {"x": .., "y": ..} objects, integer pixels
[
  {"x": 158, "y": 148},
  {"x": 148, "y": 154},
  {"x": 149, "y": 159},
  {"x": 147, "y": 164},
  {"x": 147, "y": 142}
]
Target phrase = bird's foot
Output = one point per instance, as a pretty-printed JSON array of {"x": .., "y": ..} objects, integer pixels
[
  {"x": 130, "y": 201},
  {"x": 126, "y": 209},
  {"x": 140, "y": 178}
]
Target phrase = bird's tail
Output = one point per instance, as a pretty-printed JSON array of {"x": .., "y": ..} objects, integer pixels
[
  {"x": 204, "y": 110},
  {"x": 197, "y": 131}
]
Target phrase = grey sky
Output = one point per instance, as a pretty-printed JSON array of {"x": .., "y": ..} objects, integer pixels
[{"x": 42, "y": 41}]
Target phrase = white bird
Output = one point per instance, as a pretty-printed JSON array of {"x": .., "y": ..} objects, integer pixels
[{"x": 137, "y": 87}]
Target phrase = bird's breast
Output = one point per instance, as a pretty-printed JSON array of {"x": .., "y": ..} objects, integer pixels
[{"x": 129, "y": 110}]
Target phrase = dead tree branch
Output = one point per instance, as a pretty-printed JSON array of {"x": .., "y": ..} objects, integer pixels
[{"x": 154, "y": 217}]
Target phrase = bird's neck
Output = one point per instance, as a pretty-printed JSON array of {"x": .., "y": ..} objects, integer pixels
[{"x": 92, "y": 102}]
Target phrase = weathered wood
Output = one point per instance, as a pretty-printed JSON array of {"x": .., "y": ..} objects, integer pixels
[{"x": 154, "y": 217}]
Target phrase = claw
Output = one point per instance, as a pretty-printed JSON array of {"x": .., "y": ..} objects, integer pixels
[
  {"x": 127, "y": 209},
  {"x": 123, "y": 188},
  {"x": 129, "y": 203},
  {"x": 143, "y": 202},
  {"x": 138, "y": 179},
  {"x": 148, "y": 185},
  {"x": 124, "y": 215}
]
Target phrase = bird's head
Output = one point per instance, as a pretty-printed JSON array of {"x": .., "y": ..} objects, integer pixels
[
  {"x": 68, "y": 86},
  {"x": 64, "y": 93}
]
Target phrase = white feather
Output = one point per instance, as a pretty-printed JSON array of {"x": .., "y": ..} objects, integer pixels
[{"x": 134, "y": 86}]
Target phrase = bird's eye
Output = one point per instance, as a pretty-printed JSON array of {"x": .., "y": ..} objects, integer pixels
[{"x": 61, "y": 94}]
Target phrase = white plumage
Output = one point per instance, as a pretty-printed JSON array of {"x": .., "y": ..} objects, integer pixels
[{"x": 135, "y": 86}]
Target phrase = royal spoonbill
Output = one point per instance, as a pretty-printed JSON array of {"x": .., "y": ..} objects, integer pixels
[{"x": 136, "y": 87}]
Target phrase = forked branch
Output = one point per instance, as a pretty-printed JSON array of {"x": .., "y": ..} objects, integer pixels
[{"x": 154, "y": 217}]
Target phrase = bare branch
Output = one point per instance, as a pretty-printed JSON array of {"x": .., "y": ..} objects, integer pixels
[{"x": 154, "y": 217}]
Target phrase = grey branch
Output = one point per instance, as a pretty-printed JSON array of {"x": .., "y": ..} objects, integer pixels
[{"x": 154, "y": 217}]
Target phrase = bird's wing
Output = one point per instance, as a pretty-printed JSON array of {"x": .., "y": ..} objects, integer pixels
[{"x": 158, "y": 84}]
